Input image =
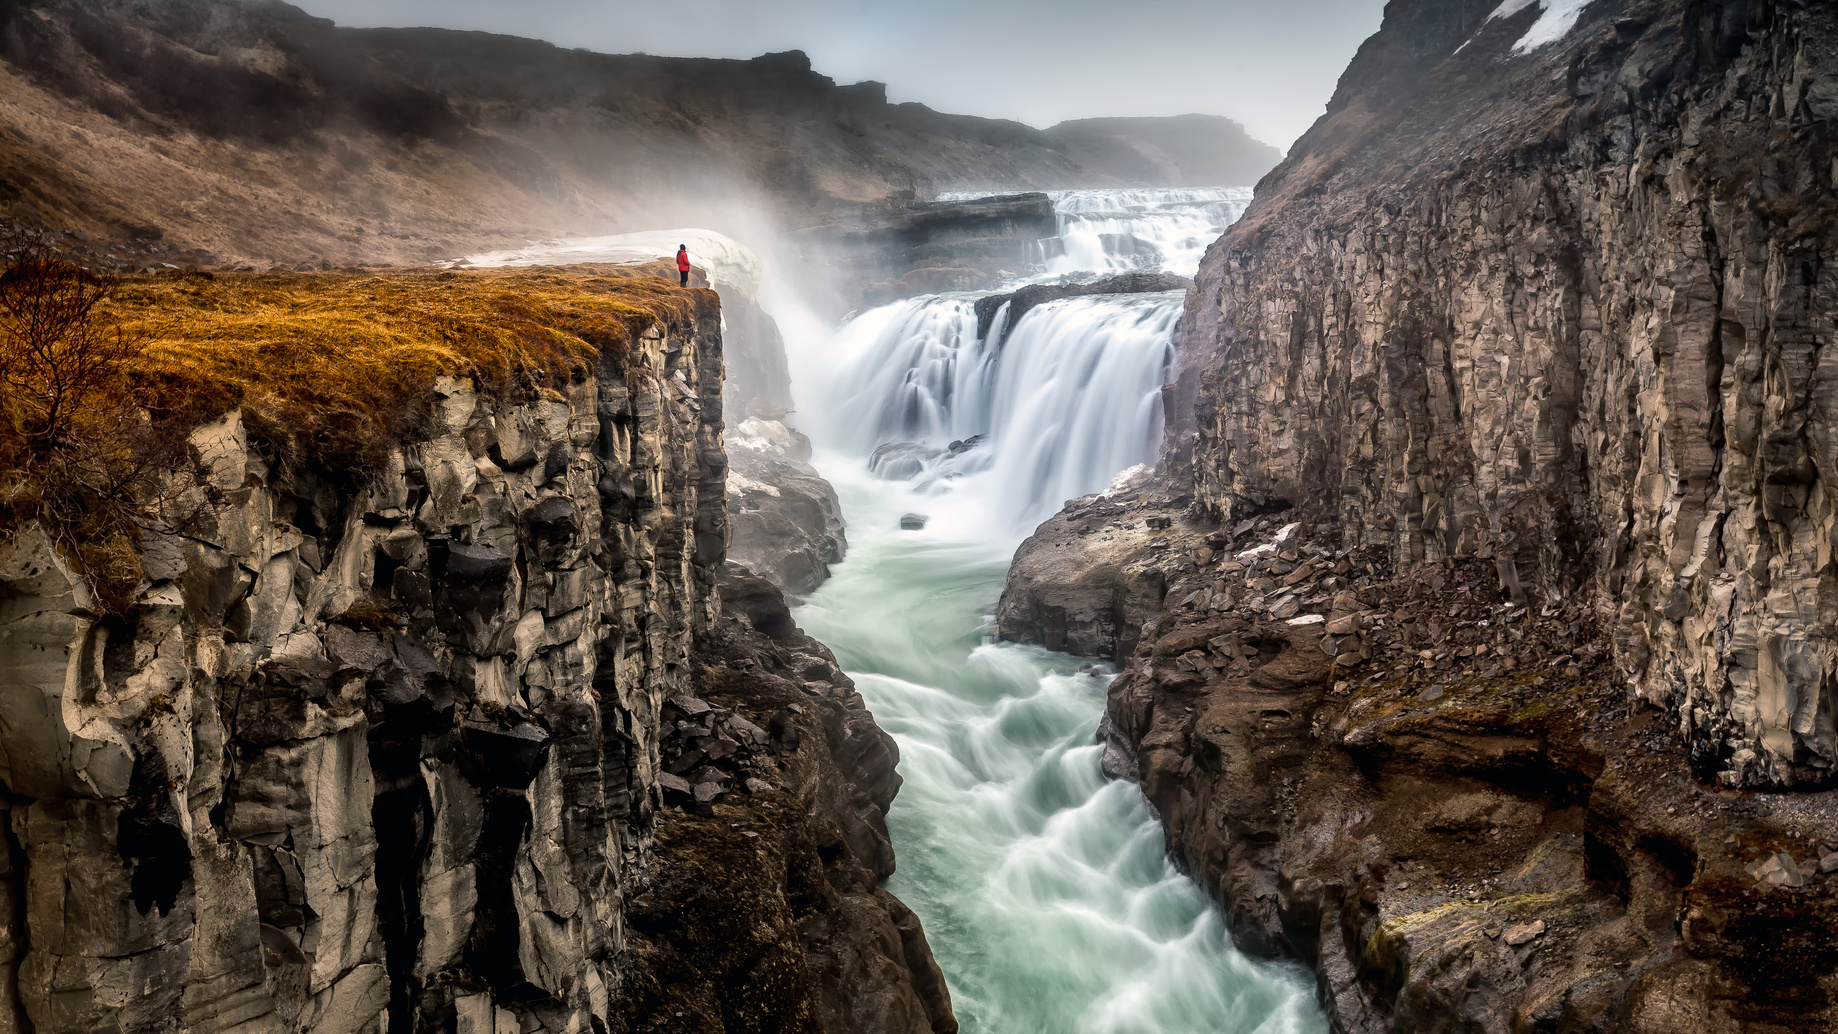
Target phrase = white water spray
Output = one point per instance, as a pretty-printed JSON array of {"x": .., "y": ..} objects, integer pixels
[{"x": 1109, "y": 231}]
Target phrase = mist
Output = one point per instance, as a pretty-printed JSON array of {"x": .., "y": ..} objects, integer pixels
[{"x": 1272, "y": 67}]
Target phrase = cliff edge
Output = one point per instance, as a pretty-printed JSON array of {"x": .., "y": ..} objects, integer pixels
[{"x": 375, "y": 714}]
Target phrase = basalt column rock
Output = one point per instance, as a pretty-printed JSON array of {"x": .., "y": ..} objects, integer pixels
[{"x": 377, "y": 759}]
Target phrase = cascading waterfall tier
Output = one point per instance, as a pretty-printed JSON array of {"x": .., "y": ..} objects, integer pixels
[
  {"x": 1071, "y": 396},
  {"x": 1117, "y": 230}
]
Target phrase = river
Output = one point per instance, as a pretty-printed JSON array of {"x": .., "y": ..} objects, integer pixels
[{"x": 1045, "y": 889}]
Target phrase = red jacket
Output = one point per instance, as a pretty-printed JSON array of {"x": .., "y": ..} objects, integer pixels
[{"x": 682, "y": 261}]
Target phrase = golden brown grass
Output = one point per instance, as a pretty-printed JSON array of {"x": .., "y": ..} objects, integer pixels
[
  {"x": 329, "y": 370},
  {"x": 342, "y": 362}
]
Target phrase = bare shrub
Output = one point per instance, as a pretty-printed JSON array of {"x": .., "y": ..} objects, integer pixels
[{"x": 78, "y": 452}]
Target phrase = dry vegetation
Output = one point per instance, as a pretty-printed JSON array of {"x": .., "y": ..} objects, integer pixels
[
  {"x": 340, "y": 364},
  {"x": 105, "y": 378}
]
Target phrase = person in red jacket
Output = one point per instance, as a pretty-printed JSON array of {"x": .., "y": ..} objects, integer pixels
[{"x": 682, "y": 265}]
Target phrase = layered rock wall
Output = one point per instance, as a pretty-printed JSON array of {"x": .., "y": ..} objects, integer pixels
[
  {"x": 1564, "y": 308},
  {"x": 389, "y": 756},
  {"x": 395, "y": 752}
]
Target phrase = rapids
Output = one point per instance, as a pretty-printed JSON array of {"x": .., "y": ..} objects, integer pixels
[{"x": 1045, "y": 889}]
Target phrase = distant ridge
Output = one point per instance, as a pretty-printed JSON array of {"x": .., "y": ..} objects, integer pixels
[
  {"x": 1172, "y": 151},
  {"x": 246, "y": 131}
]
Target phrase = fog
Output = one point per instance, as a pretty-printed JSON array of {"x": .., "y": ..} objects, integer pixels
[{"x": 1271, "y": 66}]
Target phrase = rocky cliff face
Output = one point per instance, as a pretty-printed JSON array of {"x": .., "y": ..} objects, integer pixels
[
  {"x": 1498, "y": 620},
  {"x": 1563, "y": 309},
  {"x": 786, "y": 520},
  {"x": 394, "y": 756},
  {"x": 1445, "y": 803}
]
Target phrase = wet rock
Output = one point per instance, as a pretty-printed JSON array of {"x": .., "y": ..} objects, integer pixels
[
  {"x": 786, "y": 521},
  {"x": 913, "y": 522},
  {"x": 901, "y": 461},
  {"x": 807, "y": 835},
  {"x": 1019, "y": 302},
  {"x": 1779, "y": 870},
  {"x": 1085, "y": 593}
]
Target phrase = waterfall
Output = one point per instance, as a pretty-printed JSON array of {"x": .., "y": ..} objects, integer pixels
[
  {"x": 1109, "y": 231},
  {"x": 1045, "y": 890},
  {"x": 1068, "y": 399},
  {"x": 1142, "y": 229}
]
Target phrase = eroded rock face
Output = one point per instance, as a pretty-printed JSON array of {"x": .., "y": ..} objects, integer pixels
[
  {"x": 383, "y": 758},
  {"x": 754, "y": 354},
  {"x": 1444, "y": 801},
  {"x": 787, "y": 522},
  {"x": 1563, "y": 310},
  {"x": 1088, "y": 579},
  {"x": 1020, "y": 301},
  {"x": 780, "y": 815},
  {"x": 389, "y": 754}
]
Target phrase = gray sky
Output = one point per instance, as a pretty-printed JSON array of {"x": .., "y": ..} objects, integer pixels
[{"x": 1270, "y": 64}]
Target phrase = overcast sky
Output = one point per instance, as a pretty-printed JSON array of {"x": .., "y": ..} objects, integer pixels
[{"x": 1270, "y": 64}]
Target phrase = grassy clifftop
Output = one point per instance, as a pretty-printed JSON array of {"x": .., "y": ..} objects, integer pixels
[
  {"x": 339, "y": 359},
  {"x": 102, "y": 381}
]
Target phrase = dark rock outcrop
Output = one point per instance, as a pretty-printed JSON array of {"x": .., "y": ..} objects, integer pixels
[
  {"x": 1561, "y": 310},
  {"x": 1089, "y": 578},
  {"x": 787, "y": 523},
  {"x": 778, "y": 814},
  {"x": 1020, "y": 301}
]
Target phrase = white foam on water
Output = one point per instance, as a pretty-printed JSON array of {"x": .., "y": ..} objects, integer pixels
[
  {"x": 1114, "y": 231},
  {"x": 1045, "y": 889}
]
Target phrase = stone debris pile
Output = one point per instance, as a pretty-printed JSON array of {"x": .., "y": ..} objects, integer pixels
[{"x": 709, "y": 750}]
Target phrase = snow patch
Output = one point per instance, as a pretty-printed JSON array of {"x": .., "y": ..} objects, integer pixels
[{"x": 1558, "y": 19}]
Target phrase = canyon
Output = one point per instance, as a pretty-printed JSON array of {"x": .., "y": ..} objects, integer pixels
[
  {"x": 413, "y": 746},
  {"x": 1480, "y": 589},
  {"x": 1393, "y": 599}
]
